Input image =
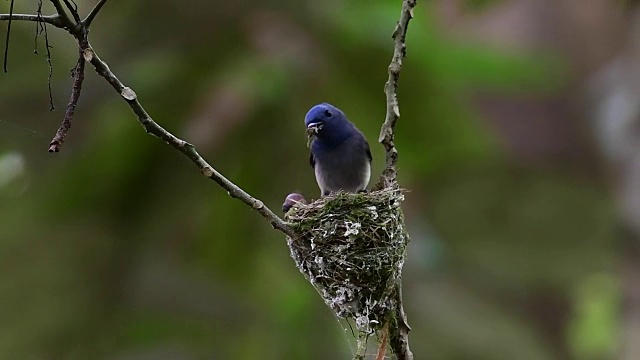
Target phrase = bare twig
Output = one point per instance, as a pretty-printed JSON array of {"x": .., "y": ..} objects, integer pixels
[
  {"x": 73, "y": 9},
  {"x": 79, "y": 31},
  {"x": 386, "y": 138},
  {"x": 6, "y": 42},
  {"x": 41, "y": 28},
  {"x": 89, "y": 19},
  {"x": 50, "y": 63},
  {"x": 78, "y": 77},
  {"x": 399, "y": 337},
  {"x": 67, "y": 23},
  {"x": 54, "y": 20},
  {"x": 48, "y": 57},
  {"x": 184, "y": 147}
]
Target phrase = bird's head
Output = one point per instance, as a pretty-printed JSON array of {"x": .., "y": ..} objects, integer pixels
[{"x": 328, "y": 123}]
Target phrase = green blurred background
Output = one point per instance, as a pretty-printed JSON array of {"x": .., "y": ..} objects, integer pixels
[{"x": 521, "y": 207}]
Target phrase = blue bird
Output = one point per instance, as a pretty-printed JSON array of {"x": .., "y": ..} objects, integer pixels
[{"x": 340, "y": 154}]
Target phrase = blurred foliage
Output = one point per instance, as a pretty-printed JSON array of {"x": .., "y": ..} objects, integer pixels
[{"x": 117, "y": 248}]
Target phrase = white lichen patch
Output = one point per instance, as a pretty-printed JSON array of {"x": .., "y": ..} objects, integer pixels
[
  {"x": 351, "y": 248},
  {"x": 352, "y": 228},
  {"x": 373, "y": 211}
]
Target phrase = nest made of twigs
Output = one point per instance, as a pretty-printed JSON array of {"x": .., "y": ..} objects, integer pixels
[{"x": 351, "y": 248}]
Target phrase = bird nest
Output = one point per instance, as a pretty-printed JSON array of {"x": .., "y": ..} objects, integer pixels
[{"x": 351, "y": 248}]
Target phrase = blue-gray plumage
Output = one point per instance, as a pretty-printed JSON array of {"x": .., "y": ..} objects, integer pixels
[{"x": 340, "y": 154}]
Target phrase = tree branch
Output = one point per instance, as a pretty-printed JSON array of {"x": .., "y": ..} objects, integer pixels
[
  {"x": 399, "y": 339},
  {"x": 89, "y": 19},
  {"x": 67, "y": 23},
  {"x": 73, "y": 9},
  {"x": 54, "y": 20},
  {"x": 6, "y": 42},
  {"x": 184, "y": 147},
  {"x": 78, "y": 77},
  {"x": 386, "y": 137},
  {"x": 80, "y": 32}
]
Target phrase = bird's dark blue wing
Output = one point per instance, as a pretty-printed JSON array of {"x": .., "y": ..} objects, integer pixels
[
  {"x": 312, "y": 160},
  {"x": 368, "y": 151}
]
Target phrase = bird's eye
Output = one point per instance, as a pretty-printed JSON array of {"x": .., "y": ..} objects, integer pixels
[{"x": 328, "y": 113}]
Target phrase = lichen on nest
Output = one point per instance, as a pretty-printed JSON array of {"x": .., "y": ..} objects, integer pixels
[{"x": 351, "y": 248}]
